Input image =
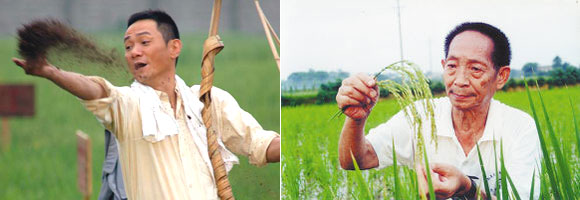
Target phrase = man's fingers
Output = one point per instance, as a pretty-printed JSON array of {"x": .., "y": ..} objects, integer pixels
[
  {"x": 358, "y": 83},
  {"x": 367, "y": 80},
  {"x": 441, "y": 169},
  {"x": 344, "y": 101},
  {"x": 354, "y": 94},
  {"x": 19, "y": 62}
]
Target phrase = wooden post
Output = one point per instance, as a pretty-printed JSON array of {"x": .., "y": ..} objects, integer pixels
[
  {"x": 84, "y": 161},
  {"x": 5, "y": 134}
]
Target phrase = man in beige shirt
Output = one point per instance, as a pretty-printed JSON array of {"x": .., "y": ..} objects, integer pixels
[{"x": 157, "y": 121}]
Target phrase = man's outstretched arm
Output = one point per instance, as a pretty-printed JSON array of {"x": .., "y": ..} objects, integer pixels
[{"x": 77, "y": 84}]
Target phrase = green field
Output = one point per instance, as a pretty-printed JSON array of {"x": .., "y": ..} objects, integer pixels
[
  {"x": 310, "y": 139},
  {"x": 42, "y": 161}
]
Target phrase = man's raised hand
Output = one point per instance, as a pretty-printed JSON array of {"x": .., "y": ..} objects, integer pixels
[
  {"x": 77, "y": 84},
  {"x": 357, "y": 96},
  {"x": 40, "y": 69}
]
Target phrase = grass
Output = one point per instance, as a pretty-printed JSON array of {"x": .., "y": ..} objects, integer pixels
[
  {"x": 310, "y": 150},
  {"x": 42, "y": 161}
]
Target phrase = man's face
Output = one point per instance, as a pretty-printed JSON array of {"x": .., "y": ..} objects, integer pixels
[
  {"x": 469, "y": 75},
  {"x": 148, "y": 56}
]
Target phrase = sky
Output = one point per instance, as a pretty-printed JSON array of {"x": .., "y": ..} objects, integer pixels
[{"x": 363, "y": 36}]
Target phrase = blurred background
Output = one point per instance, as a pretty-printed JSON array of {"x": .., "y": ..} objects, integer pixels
[{"x": 41, "y": 162}]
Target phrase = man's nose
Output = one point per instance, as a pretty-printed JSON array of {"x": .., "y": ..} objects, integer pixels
[
  {"x": 136, "y": 52},
  {"x": 461, "y": 77}
]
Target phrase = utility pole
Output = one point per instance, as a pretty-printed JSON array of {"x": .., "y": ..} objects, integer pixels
[
  {"x": 400, "y": 31},
  {"x": 430, "y": 57}
]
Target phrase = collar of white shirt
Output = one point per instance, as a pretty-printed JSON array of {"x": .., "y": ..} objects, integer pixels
[{"x": 446, "y": 129}]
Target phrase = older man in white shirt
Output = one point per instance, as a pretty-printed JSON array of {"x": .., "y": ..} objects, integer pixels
[{"x": 476, "y": 65}]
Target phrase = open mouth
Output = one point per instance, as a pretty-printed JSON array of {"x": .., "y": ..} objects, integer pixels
[{"x": 139, "y": 65}]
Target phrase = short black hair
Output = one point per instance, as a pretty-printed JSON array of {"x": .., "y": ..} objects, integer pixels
[
  {"x": 165, "y": 23},
  {"x": 501, "y": 54}
]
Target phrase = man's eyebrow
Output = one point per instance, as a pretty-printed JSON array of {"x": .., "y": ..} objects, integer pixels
[
  {"x": 451, "y": 58},
  {"x": 143, "y": 33},
  {"x": 138, "y": 34}
]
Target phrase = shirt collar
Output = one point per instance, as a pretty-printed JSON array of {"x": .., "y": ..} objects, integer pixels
[{"x": 445, "y": 125}]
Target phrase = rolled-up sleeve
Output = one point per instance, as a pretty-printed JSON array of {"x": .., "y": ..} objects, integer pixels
[
  {"x": 240, "y": 132},
  {"x": 105, "y": 109}
]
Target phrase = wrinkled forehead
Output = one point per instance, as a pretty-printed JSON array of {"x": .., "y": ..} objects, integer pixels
[{"x": 471, "y": 44}]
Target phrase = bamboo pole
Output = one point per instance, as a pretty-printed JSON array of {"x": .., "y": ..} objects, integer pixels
[
  {"x": 269, "y": 30},
  {"x": 211, "y": 47}
]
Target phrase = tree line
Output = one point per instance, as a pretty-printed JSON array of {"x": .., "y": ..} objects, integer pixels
[{"x": 558, "y": 74}]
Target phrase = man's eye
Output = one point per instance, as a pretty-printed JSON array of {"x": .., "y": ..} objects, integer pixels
[
  {"x": 127, "y": 48},
  {"x": 145, "y": 42},
  {"x": 451, "y": 66},
  {"x": 476, "y": 69}
]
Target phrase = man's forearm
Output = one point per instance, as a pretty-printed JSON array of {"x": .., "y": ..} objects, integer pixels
[
  {"x": 352, "y": 140},
  {"x": 77, "y": 84},
  {"x": 273, "y": 151}
]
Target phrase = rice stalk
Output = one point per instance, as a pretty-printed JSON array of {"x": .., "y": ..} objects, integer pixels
[
  {"x": 413, "y": 91},
  {"x": 546, "y": 156},
  {"x": 575, "y": 125},
  {"x": 428, "y": 172},
  {"x": 533, "y": 184},
  {"x": 496, "y": 169},
  {"x": 513, "y": 187},
  {"x": 484, "y": 175},
  {"x": 561, "y": 161},
  {"x": 504, "y": 189},
  {"x": 396, "y": 172},
  {"x": 360, "y": 180}
]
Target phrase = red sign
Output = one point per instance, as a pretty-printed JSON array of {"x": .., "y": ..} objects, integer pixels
[{"x": 16, "y": 100}]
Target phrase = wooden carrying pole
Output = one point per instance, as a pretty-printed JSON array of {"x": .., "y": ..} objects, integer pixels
[
  {"x": 211, "y": 47},
  {"x": 269, "y": 32},
  {"x": 84, "y": 162}
]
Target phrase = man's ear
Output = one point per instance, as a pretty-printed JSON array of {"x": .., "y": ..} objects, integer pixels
[
  {"x": 174, "y": 48},
  {"x": 502, "y": 76},
  {"x": 443, "y": 63}
]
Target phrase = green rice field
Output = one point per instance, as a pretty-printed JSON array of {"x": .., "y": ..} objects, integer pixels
[
  {"x": 311, "y": 168},
  {"x": 41, "y": 163}
]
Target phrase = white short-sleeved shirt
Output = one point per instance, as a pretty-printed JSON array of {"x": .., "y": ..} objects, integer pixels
[{"x": 516, "y": 128}]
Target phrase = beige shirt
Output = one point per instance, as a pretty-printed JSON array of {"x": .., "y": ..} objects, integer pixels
[{"x": 173, "y": 167}]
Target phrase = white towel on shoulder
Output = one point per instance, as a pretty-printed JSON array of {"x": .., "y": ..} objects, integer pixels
[{"x": 157, "y": 125}]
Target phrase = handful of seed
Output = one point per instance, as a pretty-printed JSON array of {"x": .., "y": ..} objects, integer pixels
[{"x": 50, "y": 39}]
